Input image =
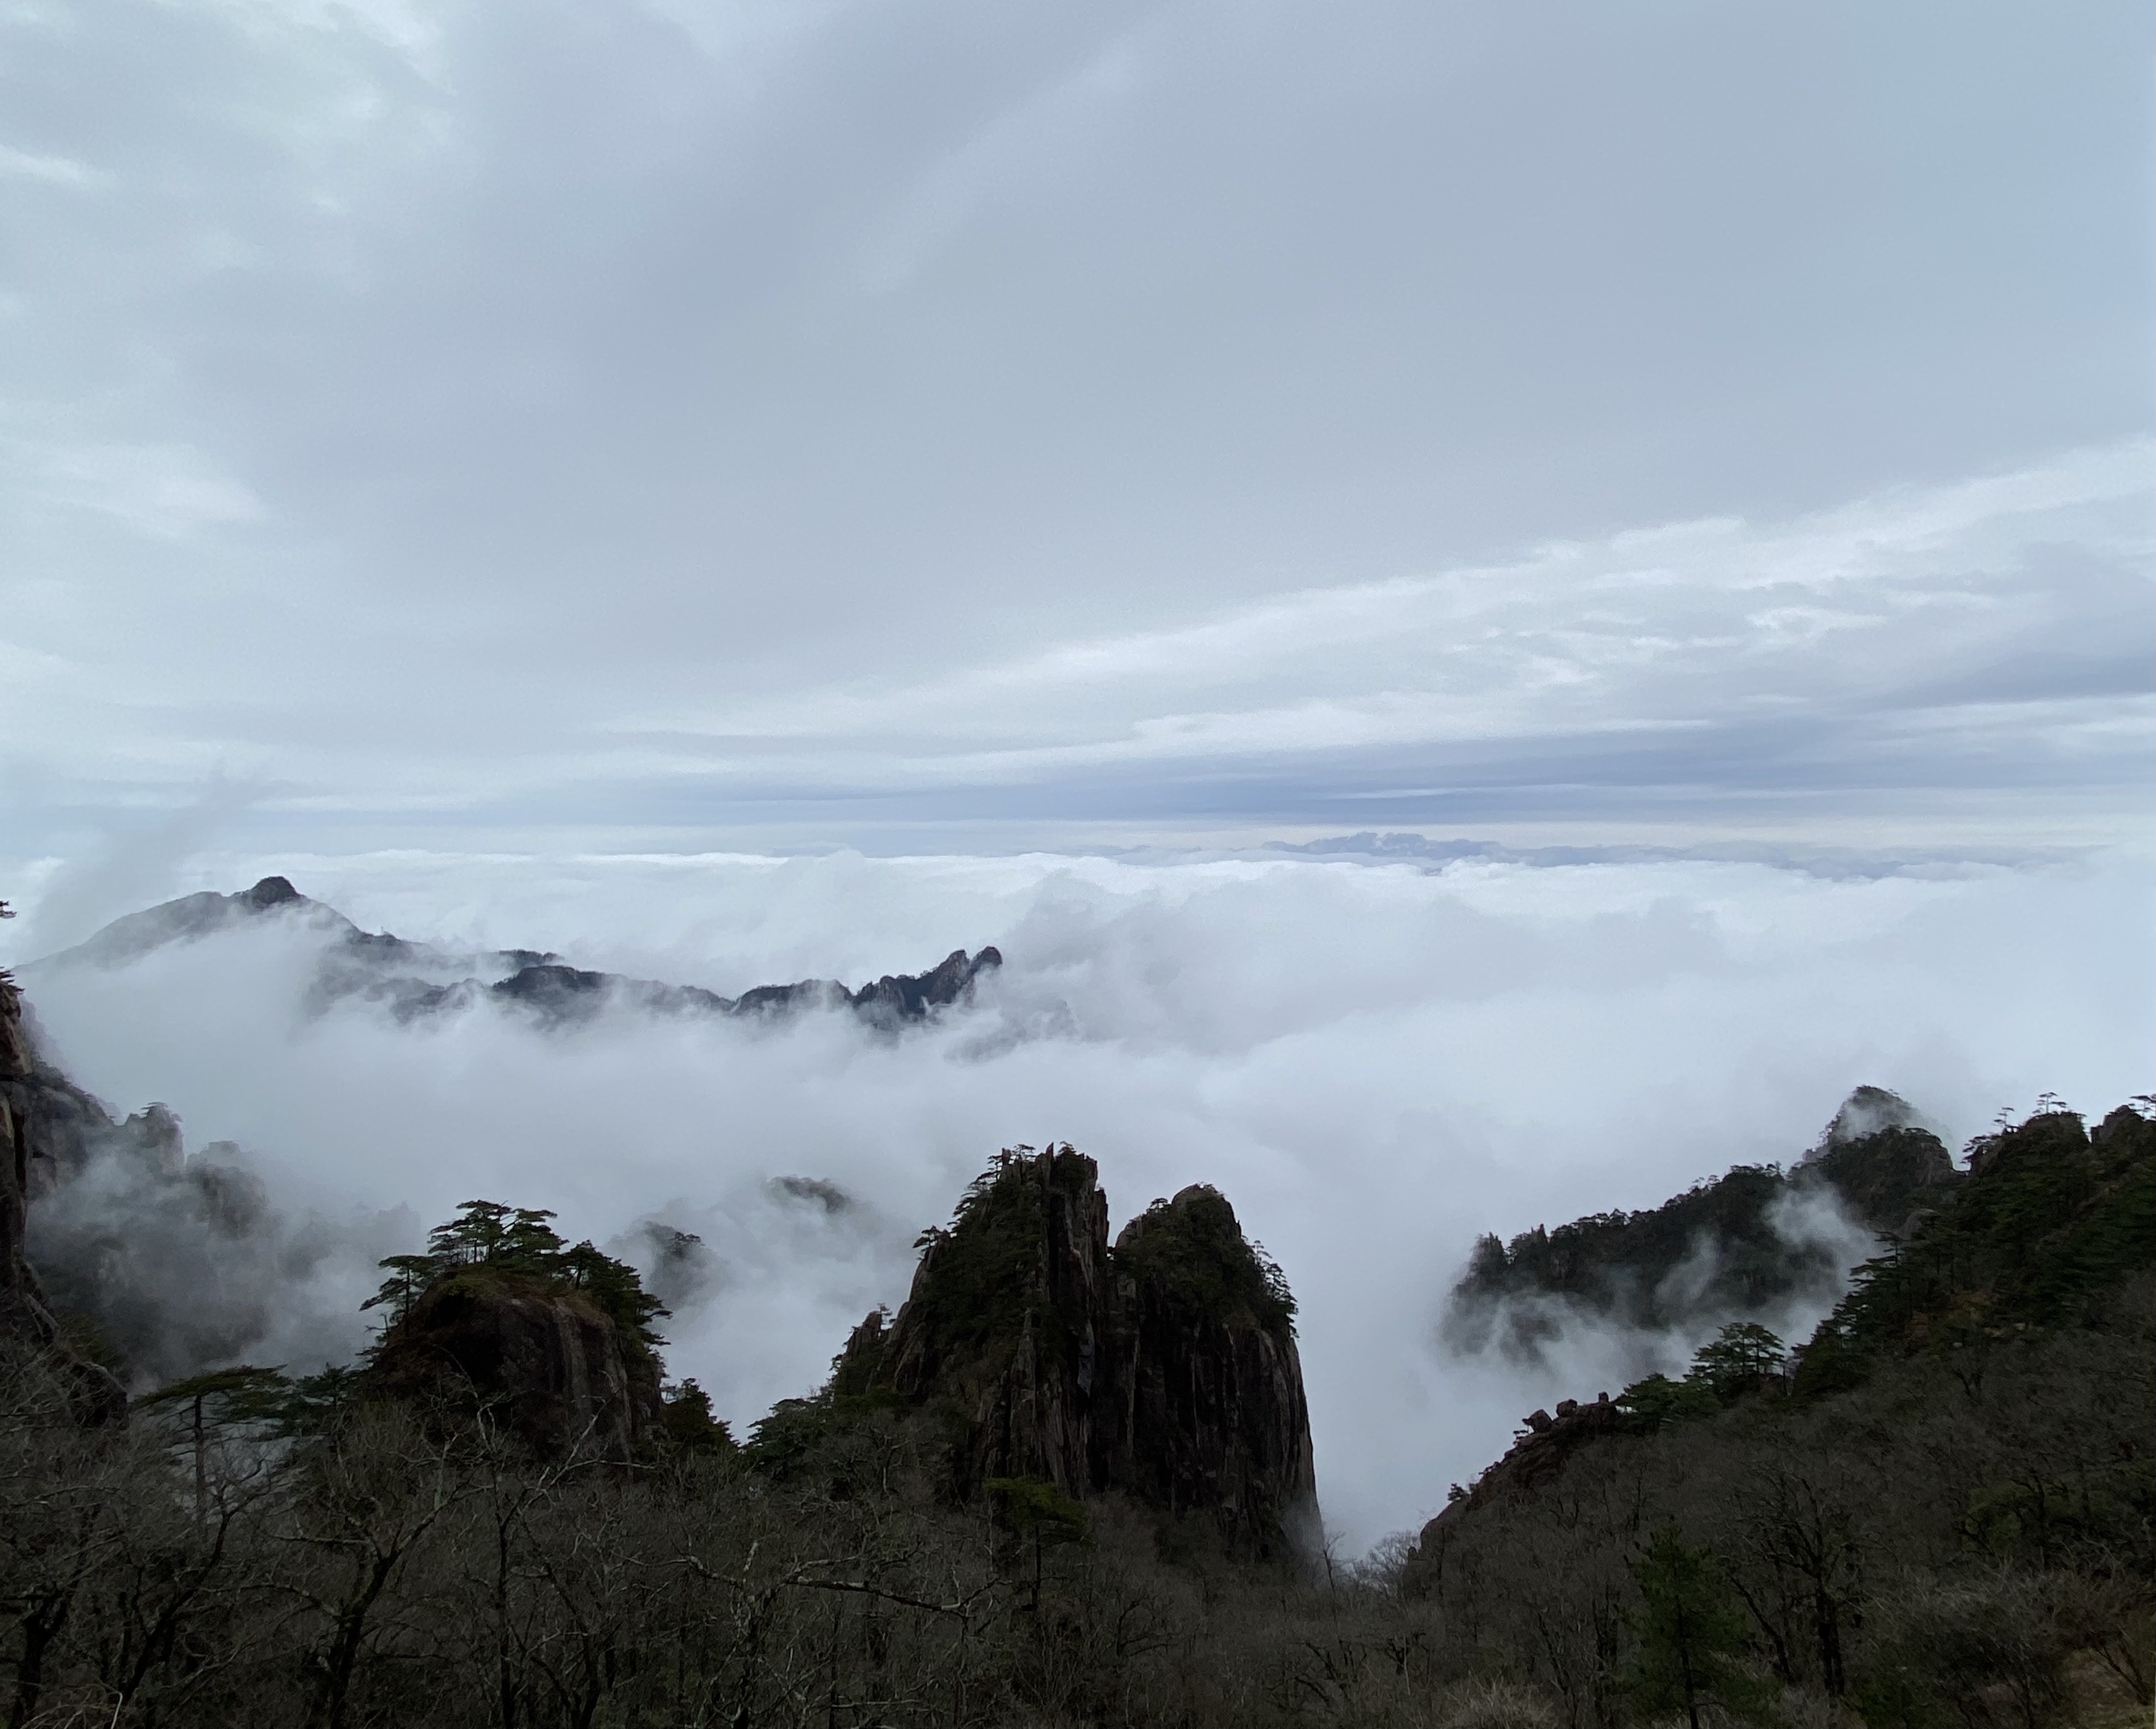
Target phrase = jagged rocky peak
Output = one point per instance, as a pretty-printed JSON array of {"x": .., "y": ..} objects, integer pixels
[
  {"x": 415, "y": 979},
  {"x": 1163, "y": 1369},
  {"x": 1881, "y": 1158},
  {"x": 1866, "y": 1111}
]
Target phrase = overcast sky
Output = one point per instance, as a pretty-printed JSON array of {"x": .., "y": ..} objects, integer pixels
[
  {"x": 909, "y": 423},
  {"x": 560, "y": 427}
]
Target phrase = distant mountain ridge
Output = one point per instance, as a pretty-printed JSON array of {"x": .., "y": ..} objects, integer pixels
[
  {"x": 1855, "y": 864},
  {"x": 415, "y": 979},
  {"x": 1736, "y": 1246}
]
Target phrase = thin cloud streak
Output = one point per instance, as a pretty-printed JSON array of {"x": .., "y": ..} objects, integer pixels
[{"x": 1883, "y": 618}]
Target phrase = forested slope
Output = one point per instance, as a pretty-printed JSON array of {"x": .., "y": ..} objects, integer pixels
[
  {"x": 1944, "y": 1510},
  {"x": 1056, "y": 1490}
]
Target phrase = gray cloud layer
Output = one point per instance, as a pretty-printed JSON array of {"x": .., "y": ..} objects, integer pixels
[{"x": 821, "y": 419}]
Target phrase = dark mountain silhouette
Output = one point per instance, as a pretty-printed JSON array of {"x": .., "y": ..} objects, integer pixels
[
  {"x": 416, "y": 979},
  {"x": 1163, "y": 1369},
  {"x": 1039, "y": 1492},
  {"x": 1744, "y": 1244},
  {"x": 1936, "y": 1509},
  {"x": 42, "y": 1117}
]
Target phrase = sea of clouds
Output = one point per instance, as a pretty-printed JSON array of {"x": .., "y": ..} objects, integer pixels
[{"x": 1376, "y": 1059}]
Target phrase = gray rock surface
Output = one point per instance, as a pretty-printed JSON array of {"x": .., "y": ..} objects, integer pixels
[
  {"x": 44, "y": 1121},
  {"x": 544, "y": 1367},
  {"x": 1164, "y": 1369}
]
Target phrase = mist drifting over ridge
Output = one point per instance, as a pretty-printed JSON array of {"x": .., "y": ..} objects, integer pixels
[{"x": 1377, "y": 1062}]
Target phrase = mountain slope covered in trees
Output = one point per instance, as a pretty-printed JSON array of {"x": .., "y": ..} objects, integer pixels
[
  {"x": 1053, "y": 1490},
  {"x": 1941, "y": 1509},
  {"x": 1755, "y": 1243}
]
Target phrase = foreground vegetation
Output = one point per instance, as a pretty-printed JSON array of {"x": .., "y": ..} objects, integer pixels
[
  {"x": 1943, "y": 1511},
  {"x": 1947, "y": 1516}
]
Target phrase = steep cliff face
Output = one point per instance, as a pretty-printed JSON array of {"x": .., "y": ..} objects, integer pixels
[
  {"x": 41, "y": 1117},
  {"x": 545, "y": 1365},
  {"x": 1164, "y": 1368},
  {"x": 549, "y": 1343},
  {"x": 178, "y": 1263},
  {"x": 1207, "y": 1379}
]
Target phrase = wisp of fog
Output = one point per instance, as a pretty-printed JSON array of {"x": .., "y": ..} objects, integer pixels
[{"x": 1376, "y": 1062}]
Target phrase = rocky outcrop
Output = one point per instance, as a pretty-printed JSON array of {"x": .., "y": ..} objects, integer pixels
[
  {"x": 1887, "y": 1174},
  {"x": 168, "y": 1264},
  {"x": 1865, "y": 1112},
  {"x": 541, "y": 1365},
  {"x": 417, "y": 979},
  {"x": 182, "y": 1262},
  {"x": 898, "y": 998},
  {"x": 1207, "y": 1383},
  {"x": 1536, "y": 1458},
  {"x": 1164, "y": 1368},
  {"x": 1748, "y": 1244},
  {"x": 43, "y": 1118}
]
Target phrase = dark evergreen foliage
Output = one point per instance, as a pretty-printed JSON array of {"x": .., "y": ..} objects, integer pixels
[
  {"x": 489, "y": 1243},
  {"x": 1692, "y": 1637},
  {"x": 1583, "y": 1258},
  {"x": 1963, "y": 1535},
  {"x": 1615, "y": 1266},
  {"x": 687, "y": 1422},
  {"x": 984, "y": 1286},
  {"x": 1197, "y": 1253},
  {"x": 2050, "y": 1219}
]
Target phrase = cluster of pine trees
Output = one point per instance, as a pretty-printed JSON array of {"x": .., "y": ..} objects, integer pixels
[{"x": 1941, "y": 1515}]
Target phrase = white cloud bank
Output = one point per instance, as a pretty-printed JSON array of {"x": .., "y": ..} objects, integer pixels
[{"x": 1374, "y": 1062}]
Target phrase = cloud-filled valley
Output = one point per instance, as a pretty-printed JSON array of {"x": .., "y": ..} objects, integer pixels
[
  {"x": 1376, "y": 1062},
  {"x": 1485, "y": 669}
]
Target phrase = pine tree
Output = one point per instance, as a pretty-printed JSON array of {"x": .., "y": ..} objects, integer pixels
[
  {"x": 1691, "y": 1635},
  {"x": 1741, "y": 1356}
]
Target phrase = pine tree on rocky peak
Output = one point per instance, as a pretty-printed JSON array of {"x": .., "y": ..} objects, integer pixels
[{"x": 494, "y": 1240}]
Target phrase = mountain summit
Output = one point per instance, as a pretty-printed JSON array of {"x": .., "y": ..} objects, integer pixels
[
  {"x": 1162, "y": 1369},
  {"x": 415, "y": 979}
]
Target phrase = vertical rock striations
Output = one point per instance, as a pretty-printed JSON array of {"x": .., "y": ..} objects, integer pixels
[
  {"x": 500, "y": 1324},
  {"x": 1207, "y": 1380},
  {"x": 1164, "y": 1368},
  {"x": 545, "y": 1365},
  {"x": 40, "y": 1115}
]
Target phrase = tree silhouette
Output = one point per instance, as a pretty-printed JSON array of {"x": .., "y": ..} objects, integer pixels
[
  {"x": 1743, "y": 1354},
  {"x": 1691, "y": 1634}
]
